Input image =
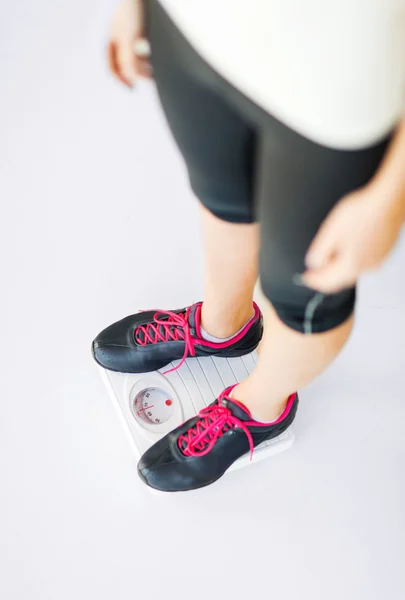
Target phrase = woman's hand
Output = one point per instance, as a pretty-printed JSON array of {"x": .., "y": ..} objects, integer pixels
[
  {"x": 357, "y": 236},
  {"x": 127, "y": 48}
]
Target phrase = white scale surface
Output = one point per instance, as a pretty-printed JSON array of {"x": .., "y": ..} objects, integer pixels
[{"x": 152, "y": 404}]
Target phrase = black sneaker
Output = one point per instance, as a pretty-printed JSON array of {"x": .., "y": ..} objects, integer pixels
[
  {"x": 199, "y": 452},
  {"x": 150, "y": 340}
]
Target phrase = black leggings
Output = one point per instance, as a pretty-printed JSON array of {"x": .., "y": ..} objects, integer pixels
[{"x": 246, "y": 166}]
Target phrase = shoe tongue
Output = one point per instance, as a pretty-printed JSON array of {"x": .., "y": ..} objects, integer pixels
[
  {"x": 193, "y": 318},
  {"x": 239, "y": 410}
]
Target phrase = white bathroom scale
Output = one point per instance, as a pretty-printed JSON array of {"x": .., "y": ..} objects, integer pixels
[{"x": 152, "y": 404}]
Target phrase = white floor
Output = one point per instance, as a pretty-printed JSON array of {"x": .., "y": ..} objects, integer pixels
[{"x": 97, "y": 221}]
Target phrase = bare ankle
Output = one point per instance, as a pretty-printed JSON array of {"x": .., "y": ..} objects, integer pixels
[
  {"x": 223, "y": 324},
  {"x": 260, "y": 407}
]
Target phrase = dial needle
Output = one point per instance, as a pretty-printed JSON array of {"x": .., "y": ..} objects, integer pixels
[{"x": 145, "y": 408}]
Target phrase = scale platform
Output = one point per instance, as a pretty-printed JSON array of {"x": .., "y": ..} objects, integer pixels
[{"x": 152, "y": 404}]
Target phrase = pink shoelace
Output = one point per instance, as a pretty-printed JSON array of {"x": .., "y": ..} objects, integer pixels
[
  {"x": 174, "y": 327},
  {"x": 214, "y": 421}
]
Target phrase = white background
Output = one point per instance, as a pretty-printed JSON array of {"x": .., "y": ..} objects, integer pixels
[{"x": 96, "y": 222}]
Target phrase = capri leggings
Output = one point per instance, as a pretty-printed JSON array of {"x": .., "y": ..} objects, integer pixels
[{"x": 246, "y": 166}]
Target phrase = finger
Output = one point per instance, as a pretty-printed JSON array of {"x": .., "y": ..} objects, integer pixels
[
  {"x": 332, "y": 279},
  {"x": 112, "y": 52},
  {"x": 127, "y": 63},
  {"x": 142, "y": 52},
  {"x": 322, "y": 249}
]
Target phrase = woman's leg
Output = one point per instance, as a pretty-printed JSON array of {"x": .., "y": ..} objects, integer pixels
[
  {"x": 219, "y": 147},
  {"x": 299, "y": 183},
  {"x": 231, "y": 270}
]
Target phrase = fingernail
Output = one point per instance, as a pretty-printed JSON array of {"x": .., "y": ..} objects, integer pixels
[{"x": 142, "y": 48}]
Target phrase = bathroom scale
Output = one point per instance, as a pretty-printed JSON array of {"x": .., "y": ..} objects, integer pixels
[{"x": 152, "y": 404}]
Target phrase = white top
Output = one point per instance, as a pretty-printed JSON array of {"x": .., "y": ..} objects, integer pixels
[{"x": 333, "y": 71}]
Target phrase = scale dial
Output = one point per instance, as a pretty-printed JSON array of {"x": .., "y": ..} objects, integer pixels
[{"x": 153, "y": 406}]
